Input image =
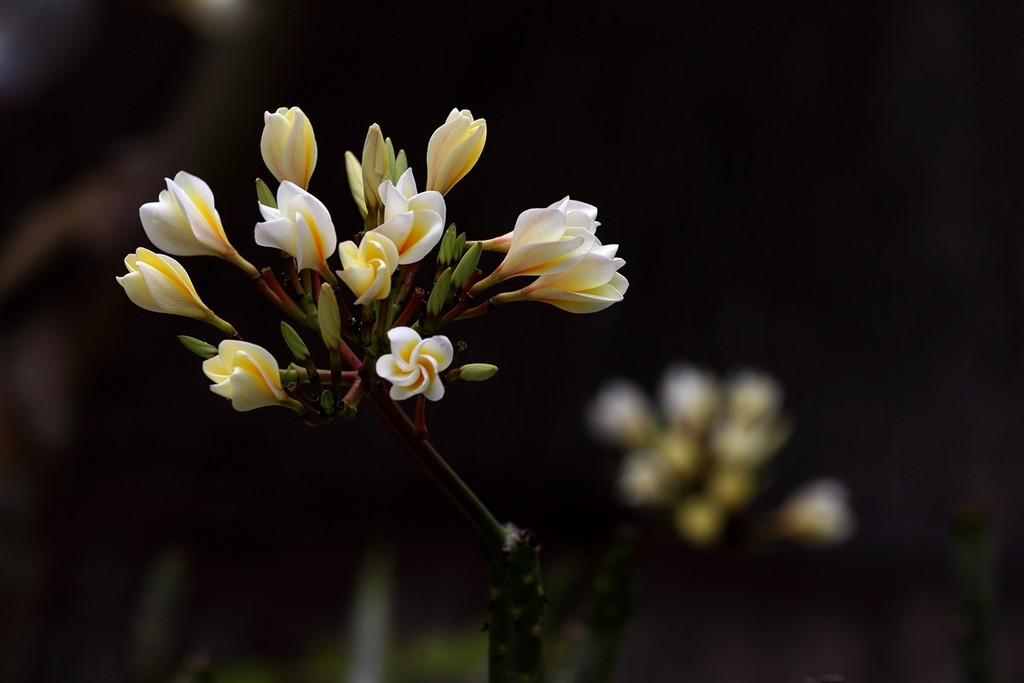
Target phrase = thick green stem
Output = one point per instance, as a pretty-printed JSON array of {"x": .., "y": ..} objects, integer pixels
[
  {"x": 515, "y": 612},
  {"x": 975, "y": 589}
]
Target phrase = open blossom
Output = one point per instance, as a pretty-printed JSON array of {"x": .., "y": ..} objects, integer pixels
[
  {"x": 591, "y": 285},
  {"x": 621, "y": 415},
  {"x": 454, "y": 149},
  {"x": 577, "y": 214},
  {"x": 688, "y": 397},
  {"x": 368, "y": 267},
  {"x": 300, "y": 226},
  {"x": 288, "y": 145},
  {"x": 159, "y": 283},
  {"x": 413, "y": 220},
  {"x": 414, "y": 365},
  {"x": 184, "y": 222},
  {"x": 543, "y": 242},
  {"x": 817, "y": 514},
  {"x": 247, "y": 375}
]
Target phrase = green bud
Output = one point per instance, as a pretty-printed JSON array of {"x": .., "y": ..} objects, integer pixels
[
  {"x": 401, "y": 164},
  {"x": 459, "y": 247},
  {"x": 198, "y": 346},
  {"x": 264, "y": 194},
  {"x": 467, "y": 265},
  {"x": 327, "y": 401},
  {"x": 329, "y": 317},
  {"x": 294, "y": 342},
  {"x": 392, "y": 166},
  {"x": 444, "y": 253},
  {"x": 439, "y": 294},
  {"x": 474, "y": 372}
]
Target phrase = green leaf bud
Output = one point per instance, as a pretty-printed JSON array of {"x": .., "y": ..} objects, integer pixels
[
  {"x": 439, "y": 294},
  {"x": 198, "y": 346},
  {"x": 294, "y": 342},
  {"x": 467, "y": 265}
]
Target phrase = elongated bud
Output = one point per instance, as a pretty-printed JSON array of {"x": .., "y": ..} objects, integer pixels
[
  {"x": 375, "y": 165},
  {"x": 473, "y": 372},
  {"x": 329, "y": 316},
  {"x": 439, "y": 294},
  {"x": 198, "y": 346},
  {"x": 264, "y": 195},
  {"x": 354, "y": 171},
  {"x": 444, "y": 252},
  {"x": 467, "y": 265},
  {"x": 294, "y": 342}
]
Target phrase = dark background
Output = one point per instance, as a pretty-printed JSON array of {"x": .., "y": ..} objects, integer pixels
[{"x": 827, "y": 191}]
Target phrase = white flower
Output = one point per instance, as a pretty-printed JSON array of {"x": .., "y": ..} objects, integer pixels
[
  {"x": 368, "y": 268},
  {"x": 413, "y": 220},
  {"x": 817, "y": 514},
  {"x": 577, "y": 214},
  {"x": 288, "y": 145},
  {"x": 688, "y": 397},
  {"x": 414, "y": 364},
  {"x": 184, "y": 221},
  {"x": 300, "y": 226},
  {"x": 591, "y": 285},
  {"x": 543, "y": 242},
  {"x": 752, "y": 396},
  {"x": 454, "y": 149},
  {"x": 621, "y": 415},
  {"x": 248, "y": 376},
  {"x": 160, "y": 284}
]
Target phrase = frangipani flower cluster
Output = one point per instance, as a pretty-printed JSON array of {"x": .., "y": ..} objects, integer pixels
[
  {"x": 355, "y": 279},
  {"x": 698, "y": 454}
]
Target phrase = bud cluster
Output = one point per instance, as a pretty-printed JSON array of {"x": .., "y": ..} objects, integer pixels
[
  {"x": 699, "y": 456},
  {"x": 367, "y": 301}
]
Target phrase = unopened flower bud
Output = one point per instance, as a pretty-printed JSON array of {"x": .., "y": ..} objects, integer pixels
[
  {"x": 294, "y": 342},
  {"x": 289, "y": 146},
  {"x": 474, "y": 372},
  {"x": 198, "y": 346},
  {"x": 329, "y": 317}
]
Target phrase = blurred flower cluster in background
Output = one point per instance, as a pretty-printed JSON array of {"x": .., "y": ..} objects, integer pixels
[{"x": 701, "y": 451}]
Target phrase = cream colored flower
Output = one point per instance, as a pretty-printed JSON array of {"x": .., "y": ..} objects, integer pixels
[
  {"x": 688, "y": 397},
  {"x": 817, "y": 514},
  {"x": 577, "y": 215},
  {"x": 543, "y": 242},
  {"x": 413, "y": 220},
  {"x": 289, "y": 146},
  {"x": 248, "y": 376},
  {"x": 300, "y": 226},
  {"x": 454, "y": 149},
  {"x": 414, "y": 365},
  {"x": 185, "y": 222},
  {"x": 646, "y": 479},
  {"x": 621, "y": 415},
  {"x": 159, "y": 283},
  {"x": 591, "y": 285},
  {"x": 752, "y": 396},
  {"x": 367, "y": 268}
]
